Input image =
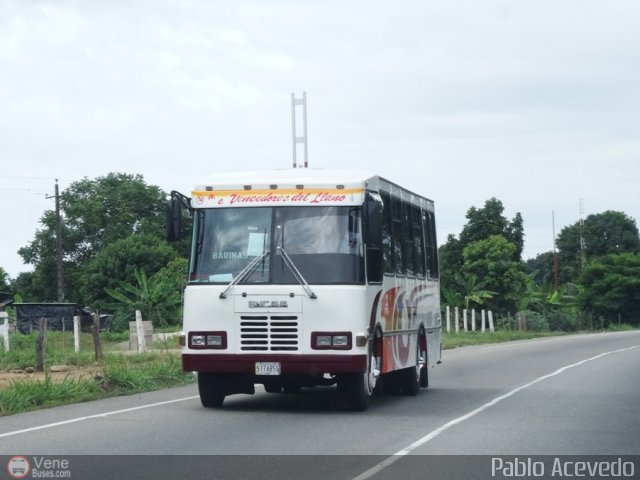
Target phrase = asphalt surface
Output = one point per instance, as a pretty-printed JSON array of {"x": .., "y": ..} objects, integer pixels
[{"x": 575, "y": 395}]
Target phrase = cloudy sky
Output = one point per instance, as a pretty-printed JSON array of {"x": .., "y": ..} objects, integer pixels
[{"x": 535, "y": 102}]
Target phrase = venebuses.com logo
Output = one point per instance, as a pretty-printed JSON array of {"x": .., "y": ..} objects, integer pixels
[{"x": 19, "y": 466}]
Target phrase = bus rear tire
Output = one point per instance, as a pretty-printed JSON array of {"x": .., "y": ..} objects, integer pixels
[
  {"x": 273, "y": 386},
  {"x": 211, "y": 389},
  {"x": 411, "y": 377},
  {"x": 424, "y": 376}
]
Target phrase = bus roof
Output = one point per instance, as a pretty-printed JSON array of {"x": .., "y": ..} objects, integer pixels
[
  {"x": 294, "y": 186},
  {"x": 289, "y": 178}
]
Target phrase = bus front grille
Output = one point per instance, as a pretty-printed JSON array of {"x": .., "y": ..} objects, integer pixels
[{"x": 272, "y": 333}]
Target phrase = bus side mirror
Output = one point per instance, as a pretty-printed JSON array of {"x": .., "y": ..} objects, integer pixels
[
  {"x": 173, "y": 225},
  {"x": 173, "y": 210},
  {"x": 373, "y": 237}
]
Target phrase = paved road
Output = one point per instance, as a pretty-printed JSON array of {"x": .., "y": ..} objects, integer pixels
[{"x": 576, "y": 395}]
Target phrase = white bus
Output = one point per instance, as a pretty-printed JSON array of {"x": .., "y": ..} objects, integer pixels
[{"x": 305, "y": 277}]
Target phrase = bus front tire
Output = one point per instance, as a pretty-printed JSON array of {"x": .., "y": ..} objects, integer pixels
[
  {"x": 355, "y": 390},
  {"x": 211, "y": 389}
]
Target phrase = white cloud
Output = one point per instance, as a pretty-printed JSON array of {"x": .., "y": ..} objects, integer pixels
[{"x": 534, "y": 102}]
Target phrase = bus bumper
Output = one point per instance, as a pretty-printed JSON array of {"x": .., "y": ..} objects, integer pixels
[{"x": 290, "y": 364}]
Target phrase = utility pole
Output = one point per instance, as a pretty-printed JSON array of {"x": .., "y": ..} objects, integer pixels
[
  {"x": 59, "y": 276},
  {"x": 555, "y": 256},
  {"x": 583, "y": 253}
]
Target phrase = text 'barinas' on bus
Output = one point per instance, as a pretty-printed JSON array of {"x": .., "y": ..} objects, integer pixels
[{"x": 303, "y": 277}]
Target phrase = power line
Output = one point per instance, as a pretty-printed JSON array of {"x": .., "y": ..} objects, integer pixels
[
  {"x": 21, "y": 192},
  {"x": 35, "y": 178}
]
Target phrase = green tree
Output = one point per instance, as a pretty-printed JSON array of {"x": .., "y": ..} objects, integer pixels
[
  {"x": 602, "y": 233},
  {"x": 611, "y": 288},
  {"x": 492, "y": 260},
  {"x": 118, "y": 262},
  {"x": 451, "y": 261},
  {"x": 482, "y": 224},
  {"x": 489, "y": 221},
  {"x": 101, "y": 211},
  {"x": 541, "y": 267},
  {"x": 5, "y": 282},
  {"x": 96, "y": 213}
]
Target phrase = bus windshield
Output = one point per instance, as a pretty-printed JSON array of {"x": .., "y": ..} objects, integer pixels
[{"x": 324, "y": 243}]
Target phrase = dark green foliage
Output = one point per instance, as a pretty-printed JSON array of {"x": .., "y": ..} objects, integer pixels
[
  {"x": 603, "y": 234},
  {"x": 488, "y": 248},
  {"x": 117, "y": 263},
  {"x": 612, "y": 288},
  {"x": 561, "y": 320},
  {"x": 489, "y": 221},
  {"x": 542, "y": 269},
  {"x": 492, "y": 260}
]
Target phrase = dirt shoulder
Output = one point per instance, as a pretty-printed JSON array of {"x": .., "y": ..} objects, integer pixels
[{"x": 56, "y": 374}]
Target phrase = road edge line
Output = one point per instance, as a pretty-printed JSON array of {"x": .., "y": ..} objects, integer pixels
[{"x": 90, "y": 417}]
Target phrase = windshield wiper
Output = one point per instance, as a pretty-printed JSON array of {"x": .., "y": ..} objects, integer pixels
[
  {"x": 244, "y": 273},
  {"x": 296, "y": 273}
]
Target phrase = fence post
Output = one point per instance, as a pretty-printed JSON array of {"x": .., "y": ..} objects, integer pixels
[
  {"x": 457, "y": 319},
  {"x": 473, "y": 320},
  {"x": 140, "y": 332},
  {"x": 95, "y": 332},
  {"x": 41, "y": 344},
  {"x": 482, "y": 319},
  {"x": 491, "y": 329},
  {"x": 464, "y": 320},
  {"x": 5, "y": 330},
  {"x": 76, "y": 334},
  {"x": 448, "y": 310}
]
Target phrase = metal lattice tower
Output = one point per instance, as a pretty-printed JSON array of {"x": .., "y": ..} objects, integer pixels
[{"x": 299, "y": 139}]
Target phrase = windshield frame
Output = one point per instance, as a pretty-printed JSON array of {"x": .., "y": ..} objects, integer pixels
[{"x": 323, "y": 259}]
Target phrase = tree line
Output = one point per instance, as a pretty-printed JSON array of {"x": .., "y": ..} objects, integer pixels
[
  {"x": 115, "y": 259},
  {"x": 592, "y": 280}
]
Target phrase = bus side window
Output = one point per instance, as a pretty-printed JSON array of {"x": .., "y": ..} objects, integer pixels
[
  {"x": 418, "y": 242},
  {"x": 397, "y": 234},
  {"x": 387, "y": 243},
  {"x": 407, "y": 235},
  {"x": 434, "y": 246},
  {"x": 431, "y": 247}
]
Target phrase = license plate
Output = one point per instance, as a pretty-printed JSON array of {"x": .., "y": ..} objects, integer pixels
[{"x": 267, "y": 368}]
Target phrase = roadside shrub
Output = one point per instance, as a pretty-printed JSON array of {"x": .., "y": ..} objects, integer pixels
[{"x": 562, "y": 321}]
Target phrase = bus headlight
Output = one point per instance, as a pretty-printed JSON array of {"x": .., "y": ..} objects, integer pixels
[
  {"x": 340, "y": 341},
  {"x": 331, "y": 340},
  {"x": 208, "y": 340}
]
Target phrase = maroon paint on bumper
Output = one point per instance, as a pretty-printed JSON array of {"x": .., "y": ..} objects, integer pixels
[{"x": 301, "y": 364}]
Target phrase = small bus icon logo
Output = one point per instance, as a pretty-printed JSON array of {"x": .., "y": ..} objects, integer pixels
[{"x": 18, "y": 467}]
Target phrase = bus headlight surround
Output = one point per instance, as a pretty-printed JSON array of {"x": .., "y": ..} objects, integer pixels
[{"x": 331, "y": 340}]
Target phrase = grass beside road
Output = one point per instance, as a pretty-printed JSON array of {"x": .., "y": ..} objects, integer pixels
[
  {"x": 118, "y": 373},
  {"x": 462, "y": 339}
]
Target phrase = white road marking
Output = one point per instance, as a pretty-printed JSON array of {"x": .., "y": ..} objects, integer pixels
[
  {"x": 430, "y": 436},
  {"x": 90, "y": 417}
]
